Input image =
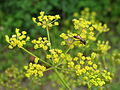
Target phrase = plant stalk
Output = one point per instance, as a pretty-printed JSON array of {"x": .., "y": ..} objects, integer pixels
[
  {"x": 35, "y": 56},
  {"x": 61, "y": 79},
  {"x": 57, "y": 73},
  {"x": 48, "y": 37}
]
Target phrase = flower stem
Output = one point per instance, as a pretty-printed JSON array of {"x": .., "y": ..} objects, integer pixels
[
  {"x": 63, "y": 81},
  {"x": 35, "y": 56},
  {"x": 89, "y": 87},
  {"x": 67, "y": 50},
  {"x": 65, "y": 53},
  {"x": 104, "y": 62},
  {"x": 48, "y": 37},
  {"x": 97, "y": 35}
]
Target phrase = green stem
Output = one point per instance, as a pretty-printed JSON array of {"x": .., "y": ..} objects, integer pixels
[
  {"x": 113, "y": 65},
  {"x": 89, "y": 87},
  {"x": 50, "y": 68},
  {"x": 65, "y": 53},
  {"x": 104, "y": 62},
  {"x": 97, "y": 35},
  {"x": 35, "y": 56},
  {"x": 63, "y": 82},
  {"x": 48, "y": 37},
  {"x": 67, "y": 50}
]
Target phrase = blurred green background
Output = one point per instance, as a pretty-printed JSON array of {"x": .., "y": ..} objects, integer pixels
[{"x": 19, "y": 13}]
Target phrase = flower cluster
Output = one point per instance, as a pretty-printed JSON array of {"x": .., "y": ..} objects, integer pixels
[
  {"x": 55, "y": 55},
  {"x": 101, "y": 28},
  {"x": 81, "y": 24},
  {"x": 19, "y": 39},
  {"x": 91, "y": 16},
  {"x": 71, "y": 41},
  {"x": 41, "y": 43},
  {"x": 80, "y": 60},
  {"x": 85, "y": 28},
  {"x": 87, "y": 70},
  {"x": 103, "y": 46},
  {"x": 97, "y": 77},
  {"x": 116, "y": 57},
  {"x": 86, "y": 14},
  {"x": 35, "y": 70},
  {"x": 46, "y": 21}
]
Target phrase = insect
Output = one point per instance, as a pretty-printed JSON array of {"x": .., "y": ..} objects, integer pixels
[{"x": 80, "y": 39}]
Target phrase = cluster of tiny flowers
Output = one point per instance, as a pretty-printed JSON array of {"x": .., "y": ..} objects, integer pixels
[
  {"x": 81, "y": 23},
  {"x": 97, "y": 77},
  {"x": 116, "y": 57},
  {"x": 19, "y": 39},
  {"x": 35, "y": 70},
  {"x": 72, "y": 42},
  {"x": 41, "y": 43},
  {"x": 103, "y": 46},
  {"x": 91, "y": 16},
  {"x": 85, "y": 28},
  {"x": 46, "y": 21},
  {"x": 56, "y": 55},
  {"x": 86, "y": 14},
  {"x": 85, "y": 67},
  {"x": 80, "y": 60},
  {"x": 101, "y": 28}
]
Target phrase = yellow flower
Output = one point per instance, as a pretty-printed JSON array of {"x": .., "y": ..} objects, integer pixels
[
  {"x": 70, "y": 64},
  {"x": 90, "y": 62},
  {"x": 94, "y": 66},
  {"x": 77, "y": 67},
  {"x": 48, "y": 56},
  {"x": 56, "y": 23},
  {"x": 85, "y": 78},
  {"x": 80, "y": 54},
  {"x": 34, "y": 19},
  {"x": 75, "y": 59},
  {"x": 57, "y": 16},
  {"x": 35, "y": 70},
  {"x": 82, "y": 62},
  {"x": 41, "y": 43},
  {"x": 36, "y": 60},
  {"x": 79, "y": 72},
  {"x": 19, "y": 39},
  {"x": 42, "y": 13},
  {"x": 103, "y": 46},
  {"x": 46, "y": 21},
  {"x": 7, "y": 38},
  {"x": 76, "y": 14}
]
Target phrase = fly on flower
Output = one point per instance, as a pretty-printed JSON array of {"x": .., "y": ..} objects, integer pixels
[{"x": 80, "y": 39}]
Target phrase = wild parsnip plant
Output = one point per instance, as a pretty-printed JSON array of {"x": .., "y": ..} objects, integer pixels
[{"x": 82, "y": 58}]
